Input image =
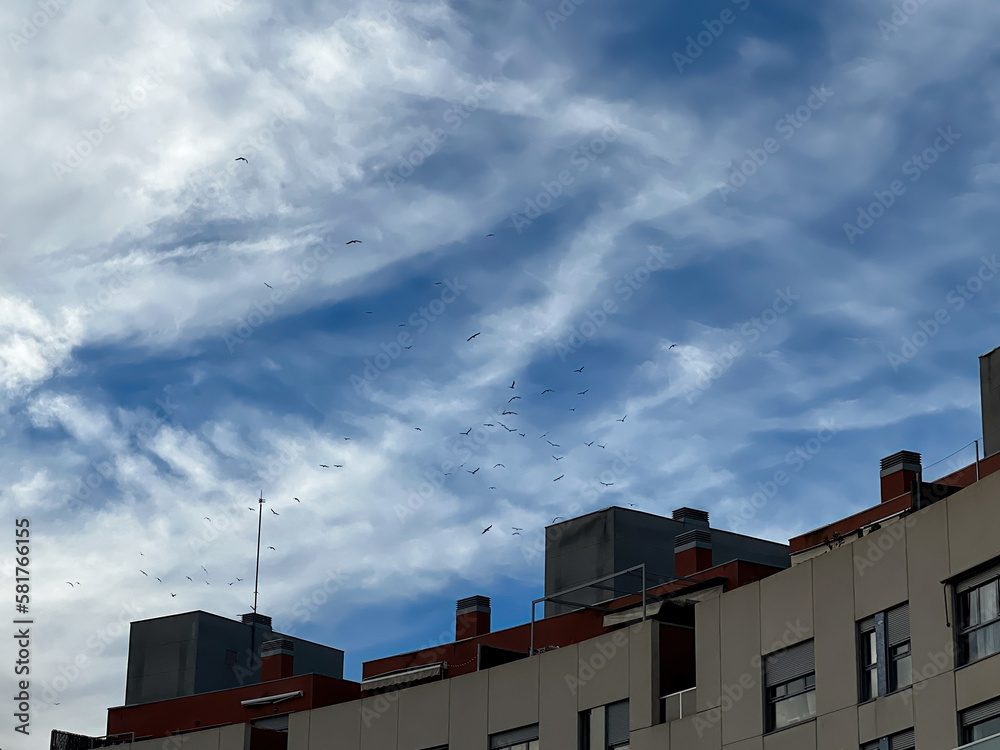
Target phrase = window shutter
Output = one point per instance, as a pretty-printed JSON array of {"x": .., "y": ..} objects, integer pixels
[
  {"x": 789, "y": 664},
  {"x": 902, "y": 741},
  {"x": 617, "y": 722},
  {"x": 979, "y": 578},
  {"x": 982, "y": 712},
  {"x": 866, "y": 624},
  {"x": 897, "y": 625},
  {"x": 512, "y": 737}
]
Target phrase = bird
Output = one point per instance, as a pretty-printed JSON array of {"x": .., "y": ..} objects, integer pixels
[
  {"x": 558, "y": 477},
  {"x": 496, "y": 465},
  {"x": 142, "y": 554},
  {"x": 547, "y": 390},
  {"x": 491, "y": 235},
  {"x": 554, "y": 445},
  {"x": 556, "y": 519},
  {"x": 477, "y": 469},
  {"x": 509, "y": 412},
  {"x": 573, "y": 409},
  {"x": 517, "y": 528},
  {"x": 488, "y": 424},
  {"x": 71, "y": 585},
  {"x": 323, "y": 466},
  {"x": 144, "y": 573},
  {"x": 408, "y": 347},
  {"x": 473, "y": 336},
  {"x": 274, "y": 511},
  {"x": 232, "y": 582},
  {"x": 159, "y": 579},
  {"x": 190, "y": 578},
  {"x": 602, "y": 446},
  {"x": 589, "y": 444},
  {"x": 207, "y": 583},
  {"x": 346, "y": 438},
  {"x": 607, "y": 484},
  {"x": 249, "y": 508},
  {"x": 622, "y": 419},
  {"x": 239, "y": 579},
  {"x": 205, "y": 569},
  {"x": 272, "y": 548},
  {"x": 172, "y": 594},
  {"x": 351, "y": 242},
  {"x": 418, "y": 429},
  {"x": 560, "y": 458},
  {"x": 582, "y": 392},
  {"x": 487, "y": 528},
  {"x": 466, "y": 432},
  {"x": 516, "y": 533},
  {"x": 581, "y": 368},
  {"x": 369, "y": 312},
  {"x": 401, "y": 325},
  {"x": 491, "y": 488},
  {"x": 241, "y": 158},
  {"x": 337, "y": 466},
  {"x": 521, "y": 434},
  {"x": 268, "y": 285},
  {"x": 512, "y": 398},
  {"x": 296, "y": 500},
  {"x": 512, "y": 384},
  {"x": 541, "y": 436},
  {"x": 671, "y": 347},
  {"x": 208, "y": 519}
]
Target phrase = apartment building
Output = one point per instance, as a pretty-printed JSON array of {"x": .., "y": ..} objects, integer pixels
[{"x": 883, "y": 631}]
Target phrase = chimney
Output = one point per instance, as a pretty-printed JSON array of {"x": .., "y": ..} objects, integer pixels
[
  {"x": 989, "y": 387},
  {"x": 692, "y": 551},
  {"x": 276, "y": 659},
  {"x": 898, "y": 473},
  {"x": 472, "y": 617},
  {"x": 692, "y": 517},
  {"x": 251, "y": 618}
]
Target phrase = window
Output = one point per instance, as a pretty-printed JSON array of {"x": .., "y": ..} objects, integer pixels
[
  {"x": 900, "y": 741},
  {"x": 616, "y": 720},
  {"x": 884, "y": 659},
  {"x": 584, "y": 733},
  {"x": 981, "y": 721},
  {"x": 525, "y": 738},
  {"x": 791, "y": 686},
  {"x": 978, "y": 615}
]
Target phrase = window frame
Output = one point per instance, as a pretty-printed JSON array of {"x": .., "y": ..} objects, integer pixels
[
  {"x": 891, "y": 637},
  {"x": 804, "y": 683},
  {"x": 964, "y": 612}
]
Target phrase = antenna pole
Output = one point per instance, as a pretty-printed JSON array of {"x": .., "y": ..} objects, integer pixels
[{"x": 256, "y": 578}]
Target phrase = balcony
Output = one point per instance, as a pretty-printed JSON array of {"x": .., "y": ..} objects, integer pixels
[
  {"x": 987, "y": 743},
  {"x": 680, "y": 704}
]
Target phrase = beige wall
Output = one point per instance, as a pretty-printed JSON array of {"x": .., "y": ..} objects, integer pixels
[
  {"x": 786, "y": 608},
  {"x": 557, "y": 697},
  {"x": 970, "y": 540},
  {"x": 880, "y": 570},
  {"x": 741, "y": 672},
  {"x": 708, "y": 659},
  {"x": 835, "y": 627},
  {"x": 513, "y": 691},
  {"x": 423, "y": 716}
]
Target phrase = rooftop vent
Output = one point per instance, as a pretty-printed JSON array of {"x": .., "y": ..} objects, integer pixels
[
  {"x": 904, "y": 459},
  {"x": 898, "y": 472},
  {"x": 251, "y": 618},
  {"x": 472, "y": 617},
  {"x": 692, "y": 516},
  {"x": 473, "y": 604}
]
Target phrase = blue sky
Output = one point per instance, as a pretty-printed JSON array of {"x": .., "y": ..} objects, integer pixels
[{"x": 764, "y": 230}]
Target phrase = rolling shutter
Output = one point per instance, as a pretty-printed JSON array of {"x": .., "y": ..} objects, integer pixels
[
  {"x": 897, "y": 625},
  {"x": 617, "y": 723},
  {"x": 978, "y": 579},
  {"x": 902, "y": 741},
  {"x": 982, "y": 712},
  {"x": 512, "y": 737},
  {"x": 789, "y": 664}
]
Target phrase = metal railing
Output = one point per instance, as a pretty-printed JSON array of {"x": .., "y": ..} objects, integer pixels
[
  {"x": 987, "y": 743},
  {"x": 60, "y": 740},
  {"x": 678, "y": 705}
]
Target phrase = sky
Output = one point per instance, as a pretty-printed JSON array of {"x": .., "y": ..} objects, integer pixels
[{"x": 734, "y": 238}]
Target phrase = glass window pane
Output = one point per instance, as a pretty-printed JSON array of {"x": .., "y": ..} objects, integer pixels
[
  {"x": 868, "y": 654},
  {"x": 869, "y": 685},
  {"x": 900, "y": 650},
  {"x": 984, "y": 729},
  {"x": 988, "y": 602},
  {"x": 794, "y": 709},
  {"x": 968, "y": 607},
  {"x": 902, "y": 673}
]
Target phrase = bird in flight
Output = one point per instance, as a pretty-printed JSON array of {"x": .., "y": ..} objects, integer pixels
[
  {"x": 491, "y": 488},
  {"x": 589, "y": 444},
  {"x": 207, "y": 518},
  {"x": 205, "y": 569},
  {"x": 71, "y": 585},
  {"x": 296, "y": 500},
  {"x": 323, "y": 466},
  {"x": 671, "y": 347},
  {"x": 554, "y": 445},
  {"x": 560, "y": 458},
  {"x": 239, "y": 579},
  {"x": 241, "y": 158},
  {"x": 581, "y": 369},
  {"x": 272, "y": 548},
  {"x": 473, "y": 336},
  {"x": 477, "y": 469},
  {"x": 351, "y": 242},
  {"x": 541, "y": 436},
  {"x": 558, "y": 477},
  {"x": 607, "y": 484},
  {"x": 158, "y": 579},
  {"x": 547, "y": 390},
  {"x": 491, "y": 235},
  {"x": 517, "y": 528},
  {"x": 418, "y": 429},
  {"x": 622, "y": 419},
  {"x": 509, "y": 412},
  {"x": 268, "y": 285},
  {"x": 338, "y": 466},
  {"x": 602, "y": 446},
  {"x": 190, "y": 578},
  {"x": 556, "y": 519},
  {"x": 466, "y": 432},
  {"x": 516, "y": 533},
  {"x": 369, "y": 312},
  {"x": 582, "y": 392},
  {"x": 487, "y": 528},
  {"x": 173, "y": 594},
  {"x": 496, "y": 465},
  {"x": 488, "y": 424},
  {"x": 512, "y": 398},
  {"x": 512, "y": 384},
  {"x": 144, "y": 573},
  {"x": 249, "y": 508},
  {"x": 274, "y": 511},
  {"x": 408, "y": 347}
]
